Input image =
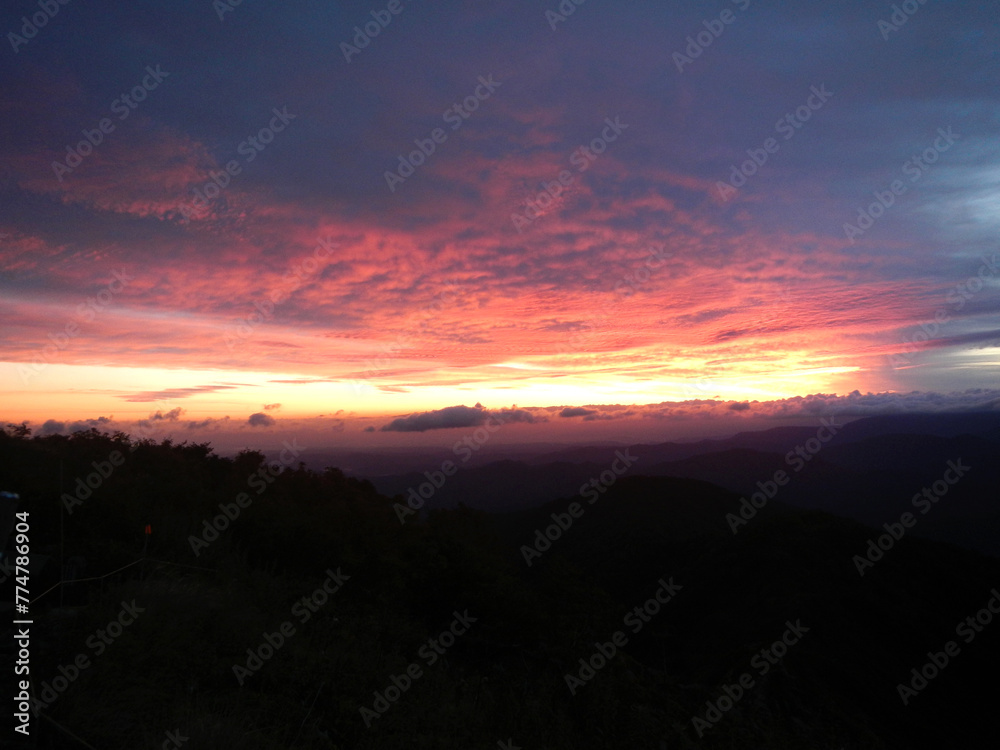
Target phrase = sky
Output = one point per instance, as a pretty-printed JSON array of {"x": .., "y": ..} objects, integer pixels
[{"x": 237, "y": 219}]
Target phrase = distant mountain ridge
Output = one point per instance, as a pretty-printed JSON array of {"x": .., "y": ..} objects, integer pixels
[{"x": 867, "y": 469}]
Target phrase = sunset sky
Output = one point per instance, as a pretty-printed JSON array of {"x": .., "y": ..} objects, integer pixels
[{"x": 613, "y": 215}]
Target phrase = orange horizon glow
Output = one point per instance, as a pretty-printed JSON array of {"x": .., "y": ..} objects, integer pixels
[{"x": 72, "y": 392}]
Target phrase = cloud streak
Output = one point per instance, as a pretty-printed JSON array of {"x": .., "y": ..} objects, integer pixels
[{"x": 431, "y": 288}]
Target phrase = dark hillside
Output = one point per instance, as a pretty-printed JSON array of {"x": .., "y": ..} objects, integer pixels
[{"x": 295, "y": 625}]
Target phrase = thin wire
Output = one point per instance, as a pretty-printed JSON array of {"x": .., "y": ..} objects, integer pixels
[
  {"x": 64, "y": 729},
  {"x": 98, "y": 578},
  {"x": 307, "y": 714}
]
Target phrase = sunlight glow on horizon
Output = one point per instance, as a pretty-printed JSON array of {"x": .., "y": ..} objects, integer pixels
[{"x": 88, "y": 391}]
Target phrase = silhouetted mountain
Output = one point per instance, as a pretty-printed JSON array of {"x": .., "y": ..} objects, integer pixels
[
  {"x": 498, "y": 486},
  {"x": 776, "y": 438},
  {"x": 865, "y": 633},
  {"x": 864, "y": 471},
  {"x": 981, "y": 424},
  {"x": 874, "y": 480},
  {"x": 293, "y": 608},
  {"x": 395, "y": 461}
]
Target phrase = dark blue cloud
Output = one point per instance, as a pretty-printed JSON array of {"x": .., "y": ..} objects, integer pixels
[
  {"x": 458, "y": 416},
  {"x": 260, "y": 419}
]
